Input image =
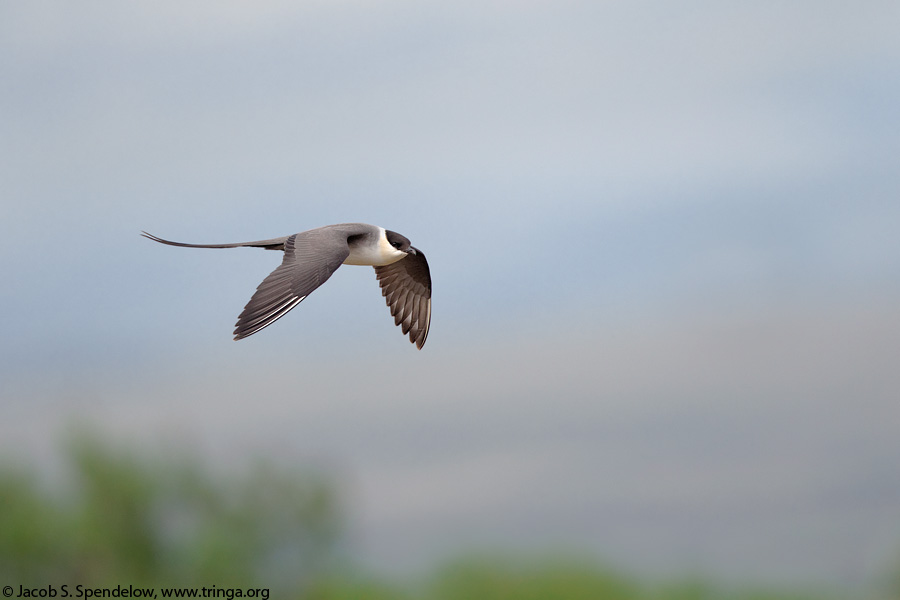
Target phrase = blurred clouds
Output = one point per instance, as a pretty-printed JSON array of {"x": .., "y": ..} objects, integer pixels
[
  {"x": 658, "y": 235},
  {"x": 609, "y": 94}
]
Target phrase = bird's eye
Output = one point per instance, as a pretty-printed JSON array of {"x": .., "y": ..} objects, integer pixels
[{"x": 396, "y": 245}]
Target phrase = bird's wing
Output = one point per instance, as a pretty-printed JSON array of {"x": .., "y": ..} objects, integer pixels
[
  {"x": 309, "y": 260},
  {"x": 273, "y": 244},
  {"x": 406, "y": 285}
]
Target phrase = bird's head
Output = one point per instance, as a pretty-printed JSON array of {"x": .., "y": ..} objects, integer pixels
[{"x": 398, "y": 241}]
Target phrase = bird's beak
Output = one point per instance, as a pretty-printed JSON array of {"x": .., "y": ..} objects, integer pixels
[{"x": 411, "y": 250}]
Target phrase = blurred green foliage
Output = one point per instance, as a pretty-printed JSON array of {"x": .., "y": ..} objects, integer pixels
[{"x": 122, "y": 518}]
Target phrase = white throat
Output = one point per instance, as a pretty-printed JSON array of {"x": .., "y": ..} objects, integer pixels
[{"x": 378, "y": 254}]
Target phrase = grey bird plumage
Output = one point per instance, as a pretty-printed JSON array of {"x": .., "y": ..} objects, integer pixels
[{"x": 311, "y": 257}]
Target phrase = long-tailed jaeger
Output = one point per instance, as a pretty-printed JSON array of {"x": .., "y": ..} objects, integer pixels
[{"x": 310, "y": 258}]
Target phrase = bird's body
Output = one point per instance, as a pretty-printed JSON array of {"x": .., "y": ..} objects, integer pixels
[{"x": 310, "y": 258}]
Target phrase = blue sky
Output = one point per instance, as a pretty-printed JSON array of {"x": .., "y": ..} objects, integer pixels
[{"x": 663, "y": 242}]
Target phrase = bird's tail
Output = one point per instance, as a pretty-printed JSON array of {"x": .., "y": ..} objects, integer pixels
[{"x": 273, "y": 244}]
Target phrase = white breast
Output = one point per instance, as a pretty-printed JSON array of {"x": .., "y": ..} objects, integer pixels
[{"x": 378, "y": 254}]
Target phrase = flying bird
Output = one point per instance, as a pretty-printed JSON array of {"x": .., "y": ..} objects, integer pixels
[{"x": 311, "y": 257}]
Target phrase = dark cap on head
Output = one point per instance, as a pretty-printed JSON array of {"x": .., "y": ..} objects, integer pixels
[{"x": 396, "y": 240}]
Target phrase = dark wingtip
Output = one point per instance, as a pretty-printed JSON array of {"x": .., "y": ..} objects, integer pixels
[
  {"x": 241, "y": 332},
  {"x": 419, "y": 340}
]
